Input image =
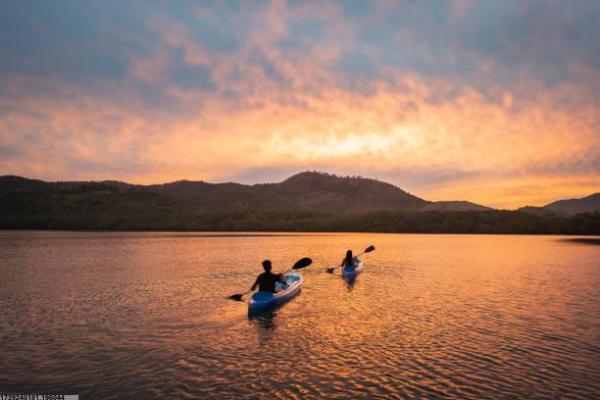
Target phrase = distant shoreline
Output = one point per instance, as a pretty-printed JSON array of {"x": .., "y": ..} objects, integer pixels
[
  {"x": 306, "y": 202},
  {"x": 575, "y": 237},
  {"x": 593, "y": 241}
]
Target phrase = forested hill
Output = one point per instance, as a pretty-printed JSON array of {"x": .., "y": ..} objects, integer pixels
[
  {"x": 308, "y": 201},
  {"x": 307, "y": 191},
  {"x": 587, "y": 204}
]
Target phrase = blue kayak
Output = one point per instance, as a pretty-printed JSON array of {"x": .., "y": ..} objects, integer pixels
[
  {"x": 262, "y": 301},
  {"x": 351, "y": 273}
]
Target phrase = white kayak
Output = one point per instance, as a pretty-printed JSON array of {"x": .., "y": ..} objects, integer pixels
[
  {"x": 351, "y": 273},
  {"x": 262, "y": 301}
]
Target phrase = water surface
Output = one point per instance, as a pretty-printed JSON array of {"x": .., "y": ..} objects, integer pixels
[{"x": 143, "y": 315}]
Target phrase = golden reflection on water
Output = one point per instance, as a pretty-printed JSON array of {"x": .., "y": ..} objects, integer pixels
[{"x": 432, "y": 315}]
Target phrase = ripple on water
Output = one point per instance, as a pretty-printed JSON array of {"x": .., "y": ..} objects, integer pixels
[{"x": 145, "y": 316}]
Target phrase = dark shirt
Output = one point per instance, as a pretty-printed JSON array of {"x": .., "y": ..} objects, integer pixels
[
  {"x": 349, "y": 263},
  {"x": 266, "y": 281}
]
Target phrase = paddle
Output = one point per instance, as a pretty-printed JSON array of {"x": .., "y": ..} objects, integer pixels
[
  {"x": 367, "y": 250},
  {"x": 301, "y": 263}
]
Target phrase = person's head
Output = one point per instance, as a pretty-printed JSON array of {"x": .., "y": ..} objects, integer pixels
[
  {"x": 267, "y": 265},
  {"x": 349, "y": 254}
]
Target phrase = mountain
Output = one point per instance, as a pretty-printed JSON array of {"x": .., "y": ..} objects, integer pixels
[
  {"x": 334, "y": 194},
  {"x": 306, "y": 191},
  {"x": 454, "y": 206},
  {"x": 541, "y": 211},
  {"x": 10, "y": 183},
  {"x": 308, "y": 201},
  {"x": 589, "y": 204}
]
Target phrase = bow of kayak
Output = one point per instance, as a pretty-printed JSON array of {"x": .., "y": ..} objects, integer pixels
[
  {"x": 262, "y": 301},
  {"x": 351, "y": 273}
]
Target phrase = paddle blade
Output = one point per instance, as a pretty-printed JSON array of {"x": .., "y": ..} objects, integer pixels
[
  {"x": 302, "y": 263},
  {"x": 369, "y": 249},
  {"x": 236, "y": 297}
]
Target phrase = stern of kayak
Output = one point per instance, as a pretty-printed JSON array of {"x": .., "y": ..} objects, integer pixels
[
  {"x": 263, "y": 301},
  {"x": 352, "y": 273}
]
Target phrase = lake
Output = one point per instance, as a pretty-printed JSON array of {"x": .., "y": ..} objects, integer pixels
[{"x": 144, "y": 315}]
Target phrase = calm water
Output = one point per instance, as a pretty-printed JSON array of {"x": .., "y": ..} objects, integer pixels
[{"x": 130, "y": 315}]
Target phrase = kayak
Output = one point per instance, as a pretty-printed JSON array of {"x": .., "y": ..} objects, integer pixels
[
  {"x": 262, "y": 301},
  {"x": 351, "y": 273}
]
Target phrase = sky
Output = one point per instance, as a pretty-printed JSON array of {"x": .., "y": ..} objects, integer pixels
[{"x": 496, "y": 102}]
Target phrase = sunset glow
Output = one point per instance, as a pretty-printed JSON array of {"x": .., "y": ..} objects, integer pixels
[{"x": 492, "y": 102}]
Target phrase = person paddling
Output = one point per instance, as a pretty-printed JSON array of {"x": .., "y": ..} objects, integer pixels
[
  {"x": 267, "y": 280},
  {"x": 348, "y": 260}
]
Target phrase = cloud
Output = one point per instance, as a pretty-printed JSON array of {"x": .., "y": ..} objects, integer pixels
[{"x": 455, "y": 99}]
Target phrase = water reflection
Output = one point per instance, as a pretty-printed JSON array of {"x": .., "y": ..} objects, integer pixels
[
  {"x": 145, "y": 316},
  {"x": 592, "y": 241},
  {"x": 350, "y": 282},
  {"x": 264, "y": 320}
]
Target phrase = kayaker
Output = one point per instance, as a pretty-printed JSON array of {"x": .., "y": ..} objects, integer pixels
[
  {"x": 348, "y": 260},
  {"x": 267, "y": 280}
]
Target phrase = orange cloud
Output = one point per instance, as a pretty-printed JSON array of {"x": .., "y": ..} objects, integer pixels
[{"x": 264, "y": 106}]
